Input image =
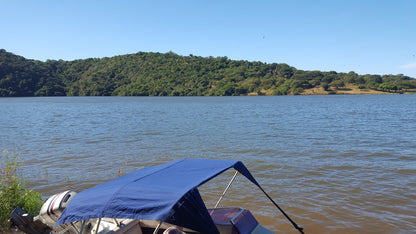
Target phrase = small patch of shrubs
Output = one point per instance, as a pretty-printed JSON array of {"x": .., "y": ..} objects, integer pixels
[{"x": 12, "y": 193}]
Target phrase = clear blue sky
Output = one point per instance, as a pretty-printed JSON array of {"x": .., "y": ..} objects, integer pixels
[{"x": 365, "y": 36}]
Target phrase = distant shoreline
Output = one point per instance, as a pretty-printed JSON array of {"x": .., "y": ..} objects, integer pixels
[
  {"x": 349, "y": 89},
  {"x": 169, "y": 74}
]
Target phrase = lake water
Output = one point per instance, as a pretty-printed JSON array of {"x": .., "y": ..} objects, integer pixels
[{"x": 335, "y": 164}]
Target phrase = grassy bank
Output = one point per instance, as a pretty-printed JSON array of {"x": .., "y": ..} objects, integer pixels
[
  {"x": 12, "y": 191},
  {"x": 349, "y": 89}
]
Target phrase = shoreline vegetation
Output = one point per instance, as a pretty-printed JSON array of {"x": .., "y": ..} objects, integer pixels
[
  {"x": 12, "y": 191},
  {"x": 169, "y": 74}
]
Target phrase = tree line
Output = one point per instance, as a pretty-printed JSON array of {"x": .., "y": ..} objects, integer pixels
[{"x": 169, "y": 74}]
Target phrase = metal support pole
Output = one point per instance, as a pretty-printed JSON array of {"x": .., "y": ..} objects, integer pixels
[
  {"x": 82, "y": 226},
  {"x": 226, "y": 189},
  {"x": 157, "y": 228},
  {"x": 97, "y": 226}
]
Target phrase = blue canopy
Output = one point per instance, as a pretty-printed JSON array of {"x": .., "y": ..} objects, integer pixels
[{"x": 167, "y": 193}]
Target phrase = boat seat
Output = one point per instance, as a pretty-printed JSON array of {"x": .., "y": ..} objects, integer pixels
[{"x": 233, "y": 220}]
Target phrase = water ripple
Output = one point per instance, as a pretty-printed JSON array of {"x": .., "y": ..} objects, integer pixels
[{"x": 336, "y": 164}]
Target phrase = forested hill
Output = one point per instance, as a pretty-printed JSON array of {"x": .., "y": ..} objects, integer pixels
[{"x": 157, "y": 74}]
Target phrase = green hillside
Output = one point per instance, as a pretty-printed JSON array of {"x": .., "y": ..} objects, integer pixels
[{"x": 169, "y": 74}]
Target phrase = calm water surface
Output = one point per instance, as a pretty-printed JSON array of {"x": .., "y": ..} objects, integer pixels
[{"x": 335, "y": 164}]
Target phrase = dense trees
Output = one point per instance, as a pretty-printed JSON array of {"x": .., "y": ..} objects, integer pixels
[{"x": 156, "y": 74}]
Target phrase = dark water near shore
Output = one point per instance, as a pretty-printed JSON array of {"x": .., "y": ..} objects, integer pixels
[{"x": 335, "y": 164}]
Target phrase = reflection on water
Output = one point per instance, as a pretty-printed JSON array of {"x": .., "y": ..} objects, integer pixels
[{"x": 335, "y": 164}]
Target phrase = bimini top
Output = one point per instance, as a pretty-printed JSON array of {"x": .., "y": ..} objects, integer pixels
[{"x": 167, "y": 193}]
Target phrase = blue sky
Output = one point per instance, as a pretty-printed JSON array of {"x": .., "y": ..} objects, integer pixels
[{"x": 365, "y": 36}]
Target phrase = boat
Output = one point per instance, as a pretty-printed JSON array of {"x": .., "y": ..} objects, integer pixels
[{"x": 157, "y": 199}]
